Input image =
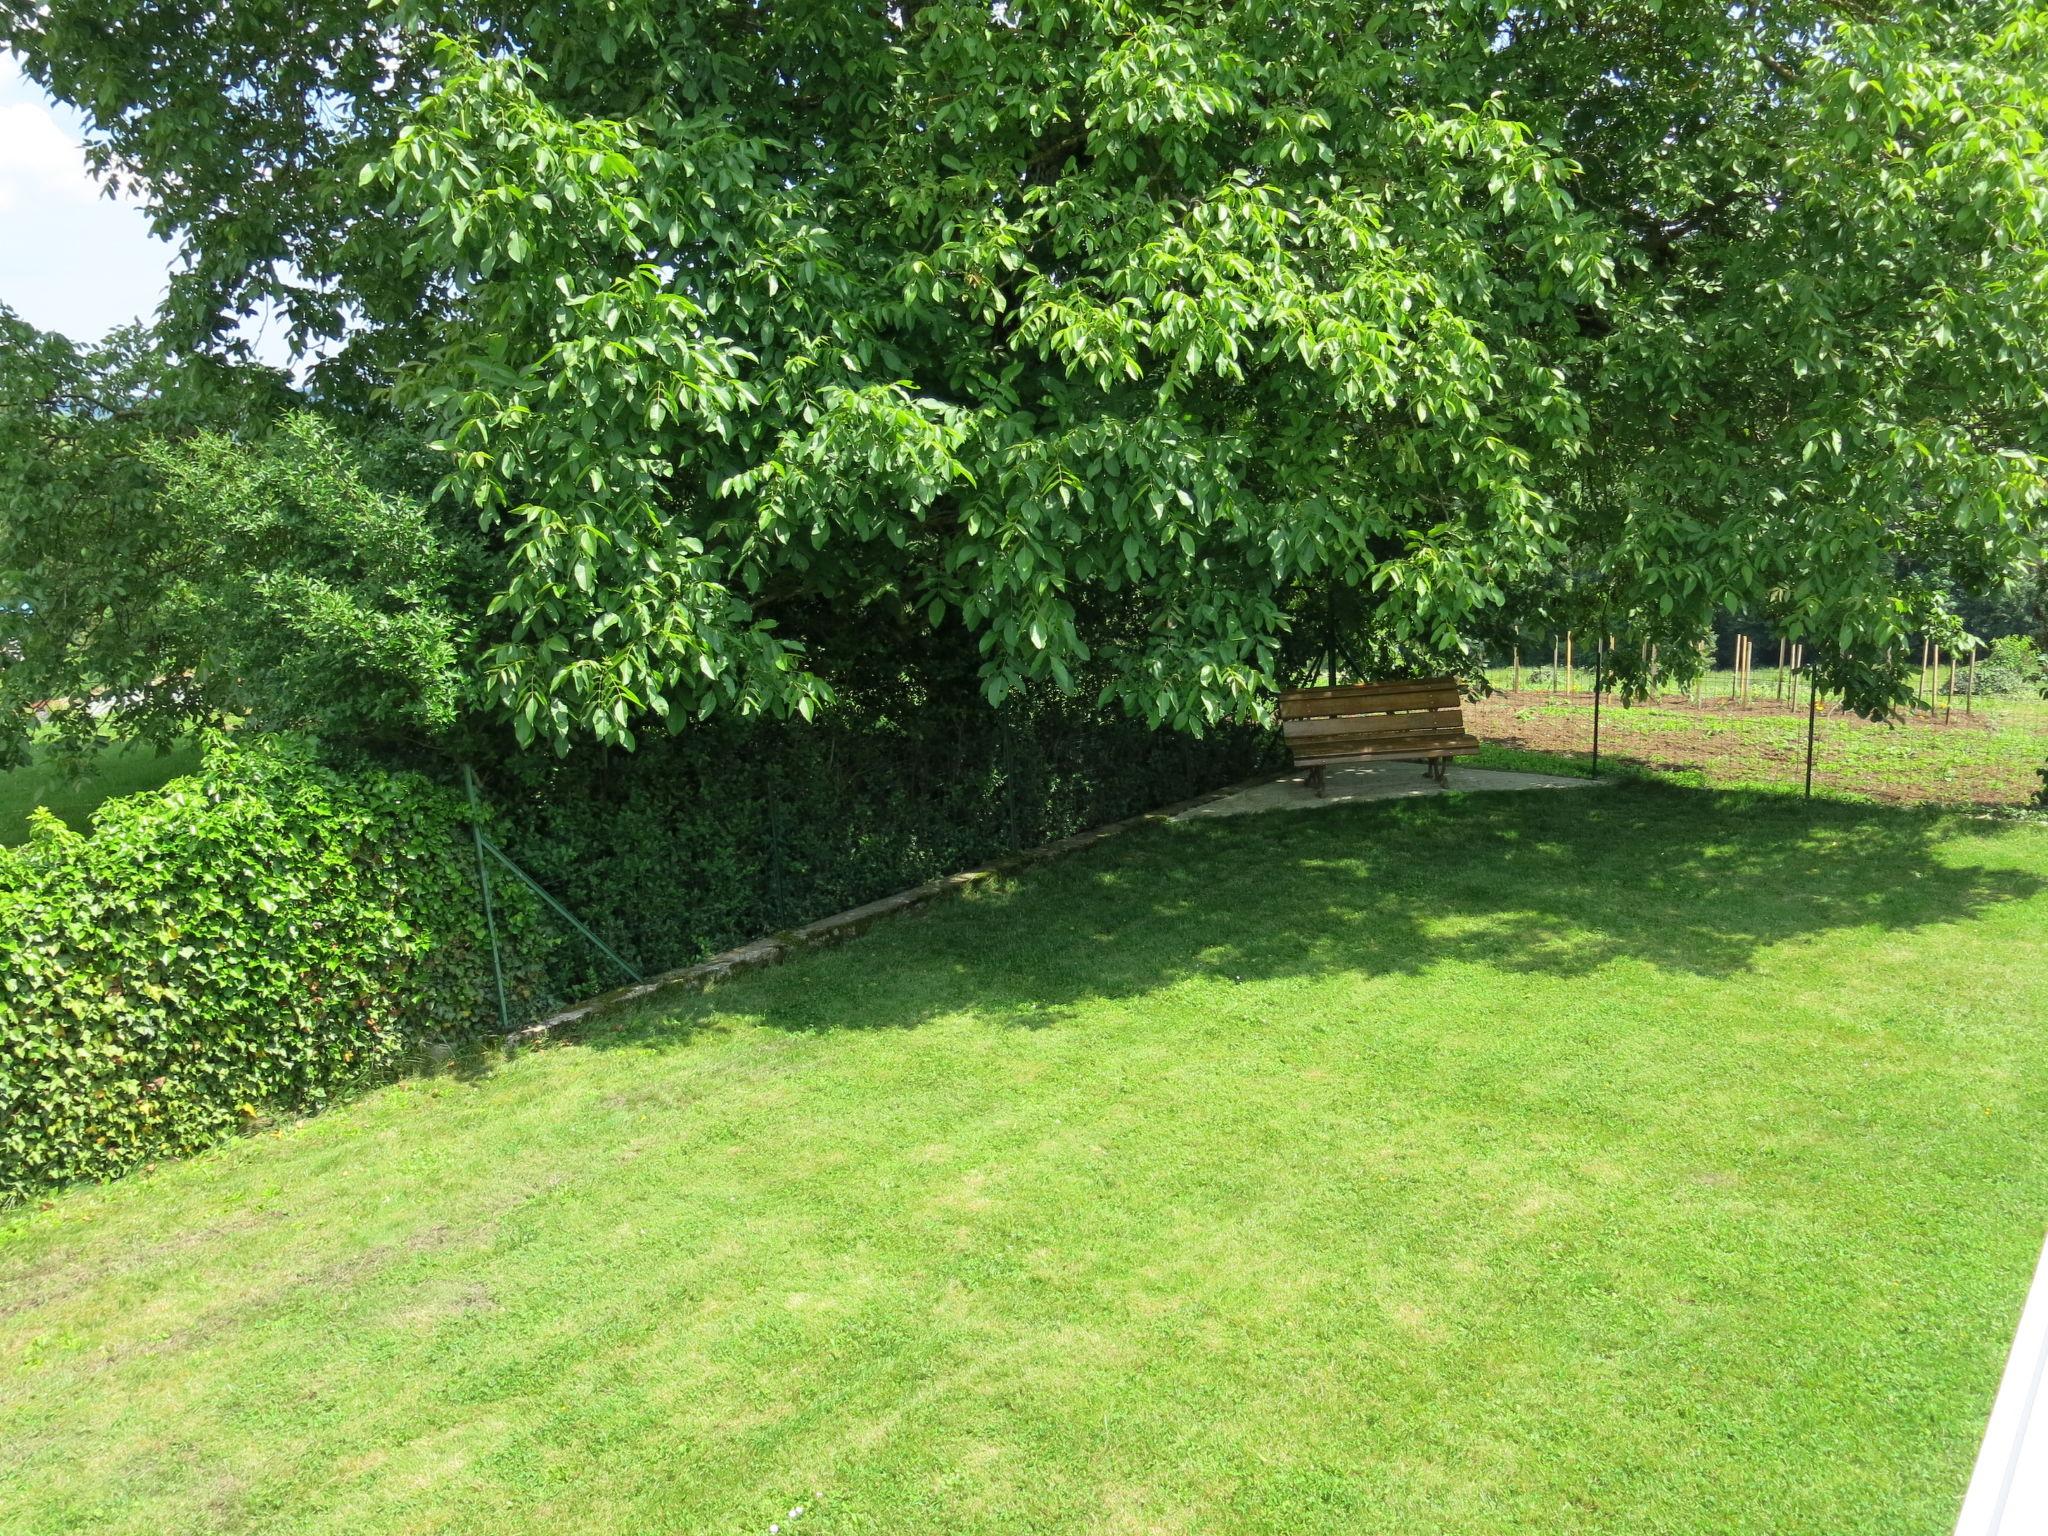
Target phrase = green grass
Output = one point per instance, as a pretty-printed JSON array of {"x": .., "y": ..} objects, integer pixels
[
  {"x": 118, "y": 770},
  {"x": 1635, "y": 1161},
  {"x": 1989, "y": 756}
]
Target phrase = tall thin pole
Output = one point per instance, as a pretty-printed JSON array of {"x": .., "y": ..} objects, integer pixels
[
  {"x": 1812, "y": 713},
  {"x": 1330, "y": 628},
  {"x": 483, "y": 870},
  {"x": 1970, "y": 696},
  {"x": 1599, "y": 656},
  {"x": 1570, "y": 672},
  {"x": 1781, "y": 669},
  {"x": 1518, "y": 669},
  {"x": 1948, "y": 713}
]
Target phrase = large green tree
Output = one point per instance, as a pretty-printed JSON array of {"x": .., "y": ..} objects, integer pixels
[
  {"x": 1128, "y": 341},
  {"x": 180, "y": 547}
]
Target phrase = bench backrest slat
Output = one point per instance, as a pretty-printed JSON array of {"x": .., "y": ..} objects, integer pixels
[
  {"x": 1422, "y": 720},
  {"x": 1406, "y": 723},
  {"x": 1369, "y": 699}
]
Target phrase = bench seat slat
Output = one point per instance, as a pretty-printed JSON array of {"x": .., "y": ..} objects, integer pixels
[
  {"x": 1321, "y": 744},
  {"x": 1435, "y": 746}
]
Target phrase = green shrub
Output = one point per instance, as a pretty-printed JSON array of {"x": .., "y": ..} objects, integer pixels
[
  {"x": 274, "y": 930},
  {"x": 252, "y": 939},
  {"x": 2010, "y": 665}
]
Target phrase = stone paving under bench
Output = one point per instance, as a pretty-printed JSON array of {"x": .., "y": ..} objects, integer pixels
[{"x": 1351, "y": 782}]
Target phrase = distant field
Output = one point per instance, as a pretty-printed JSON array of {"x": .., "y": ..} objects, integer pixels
[
  {"x": 122, "y": 770},
  {"x": 1990, "y": 754}
]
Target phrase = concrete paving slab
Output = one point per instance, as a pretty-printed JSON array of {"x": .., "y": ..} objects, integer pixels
[{"x": 1349, "y": 783}]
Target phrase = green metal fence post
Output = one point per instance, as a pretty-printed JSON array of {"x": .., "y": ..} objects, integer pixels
[
  {"x": 561, "y": 911},
  {"x": 483, "y": 872}
]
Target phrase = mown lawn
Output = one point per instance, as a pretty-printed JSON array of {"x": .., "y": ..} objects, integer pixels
[
  {"x": 118, "y": 770},
  {"x": 1641, "y": 1160}
]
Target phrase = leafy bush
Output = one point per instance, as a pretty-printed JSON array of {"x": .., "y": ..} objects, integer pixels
[
  {"x": 2011, "y": 665},
  {"x": 274, "y": 930},
  {"x": 254, "y": 938}
]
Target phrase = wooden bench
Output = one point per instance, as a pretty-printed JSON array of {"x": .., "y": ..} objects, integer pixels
[{"x": 1416, "y": 722}]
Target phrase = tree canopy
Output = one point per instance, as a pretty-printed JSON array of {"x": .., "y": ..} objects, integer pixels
[{"x": 1115, "y": 341}]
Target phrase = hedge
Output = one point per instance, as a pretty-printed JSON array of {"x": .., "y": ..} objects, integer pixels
[
  {"x": 689, "y": 846},
  {"x": 250, "y": 940},
  {"x": 275, "y": 930}
]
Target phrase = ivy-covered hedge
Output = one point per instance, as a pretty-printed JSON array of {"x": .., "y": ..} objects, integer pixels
[
  {"x": 274, "y": 930},
  {"x": 689, "y": 846},
  {"x": 252, "y": 939}
]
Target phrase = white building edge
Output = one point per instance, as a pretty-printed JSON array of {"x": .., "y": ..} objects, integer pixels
[{"x": 2009, "y": 1490}]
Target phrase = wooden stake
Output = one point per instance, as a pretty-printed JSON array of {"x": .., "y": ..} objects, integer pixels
[
  {"x": 1926, "y": 649},
  {"x": 1812, "y": 713},
  {"x": 1570, "y": 673},
  {"x": 1599, "y": 657},
  {"x": 1518, "y": 669},
  {"x": 1970, "y": 697},
  {"x": 1948, "y": 713},
  {"x": 1553, "y": 663},
  {"x": 1781, "y": 668}
]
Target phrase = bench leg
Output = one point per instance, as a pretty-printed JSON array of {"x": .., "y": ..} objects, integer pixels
[{"x": 1315, "y": 778}]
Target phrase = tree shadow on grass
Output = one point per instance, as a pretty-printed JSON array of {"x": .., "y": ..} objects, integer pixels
[{"x": 1558, "y": 884}]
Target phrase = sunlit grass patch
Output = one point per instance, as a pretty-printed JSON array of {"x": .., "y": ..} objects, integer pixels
[{"x": 1636, "y": 1160}]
